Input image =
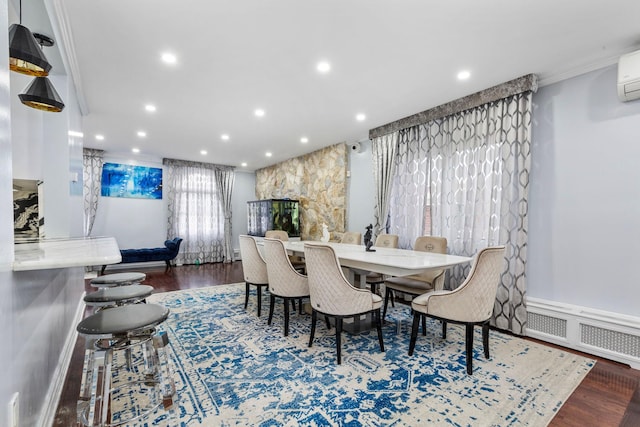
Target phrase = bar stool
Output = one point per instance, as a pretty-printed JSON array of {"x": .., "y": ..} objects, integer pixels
[
  {"x": 118, "y": 296},
  {"x": 117, "y": 279},
  {"x": 129, "y": 327}
]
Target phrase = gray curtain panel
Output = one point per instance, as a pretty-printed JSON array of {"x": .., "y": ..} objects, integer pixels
[
  {"x": 226, "y": 178},
  {"x": 92, "y": 161},
  {"x": 384, "y": 150},
  {"x": 195, "y": 210}
]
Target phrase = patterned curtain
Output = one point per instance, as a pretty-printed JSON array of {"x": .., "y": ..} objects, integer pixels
[
  {"x": 479, "y": 183},
  {"x": 225, "y": 179},
  {"x": 409, "y": 207},
  {"x": 384, "y": 150},
  {"x": 466, "y": 177},
  {"x": 195, "y": 211},
  {"x": 92, "y": 161}
]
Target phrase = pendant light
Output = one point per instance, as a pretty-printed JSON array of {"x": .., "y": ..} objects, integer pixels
[
  {"x": 24, "y": 54},
  {"x": 41, "y": 94}
]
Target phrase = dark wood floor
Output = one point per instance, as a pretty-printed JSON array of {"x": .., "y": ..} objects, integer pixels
[{"x": 608, "y": 396}]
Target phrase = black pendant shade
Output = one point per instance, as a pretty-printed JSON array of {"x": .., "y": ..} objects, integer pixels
[
  {"x": 41, "y": 95},
  {"x": 25, "y": 54}
]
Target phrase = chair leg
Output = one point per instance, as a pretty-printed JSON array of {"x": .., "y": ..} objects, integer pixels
[
  {"x": 376, "y": 314},
  {"x": 485, "y": 339},
  {"x": 424, "y": 325},
  {"x": 293, "y": 304},
  {"x": 469, "y": 345},
  {"x": 246, "y": 295},
  {"x": 272, "y": 304},
  {"x": 286, "y": 316},
  {"x": 314, "y": 317},
  {"x": 339, "y": 338},
  {"x": 386, "y": 302},
  {"x": 414, "y": 332},
  {"x": 326, "y": 318},
  {"x": 444, "y": 329},
  {"x": 299, "y": 306},
  {"x": 259, "y": 299}
]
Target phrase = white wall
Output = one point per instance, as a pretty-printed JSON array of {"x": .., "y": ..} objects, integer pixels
[
  {"x": 244, "y": 190},
  {"x": 361, "y": 188},
  {"x": 585, "y": 195}
]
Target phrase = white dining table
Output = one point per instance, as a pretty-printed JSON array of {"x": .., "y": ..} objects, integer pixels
[{"x": 390, "y": 261}]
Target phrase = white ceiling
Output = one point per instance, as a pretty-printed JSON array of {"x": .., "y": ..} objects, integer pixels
[{"x": 390, "y": 59}]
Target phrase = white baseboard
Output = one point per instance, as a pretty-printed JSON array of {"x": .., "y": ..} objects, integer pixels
[
  {"x": 48, "y": 414},
  {"x": 601, "y": 333},
  {"x": 132, "y": 265}
]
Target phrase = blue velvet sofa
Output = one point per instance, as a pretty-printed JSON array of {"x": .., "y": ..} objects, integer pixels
[{"x": 166, "y": 254}]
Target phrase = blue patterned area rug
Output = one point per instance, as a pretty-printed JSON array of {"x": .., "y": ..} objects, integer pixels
[{"x": 231, "y": 369}]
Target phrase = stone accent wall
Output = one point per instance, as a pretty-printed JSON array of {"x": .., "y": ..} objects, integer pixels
[{"x": 319, "y": 181}]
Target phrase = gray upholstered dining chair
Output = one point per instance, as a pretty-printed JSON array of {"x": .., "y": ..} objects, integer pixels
[
  {"x": 382, "y": 241},
  {"x": 284, "y": 281},
  {"x": 470, "y": 304},
  {"x": 332, "y": 295},
  {"x": 351, "y": 238},
  {"x": 296, "y": 261},
  {"x": 418, "y": 283},
  {"x": 254, "y": 269}
]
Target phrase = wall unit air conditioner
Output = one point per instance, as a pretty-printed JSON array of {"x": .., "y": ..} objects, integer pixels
[{"x": 629, "y": 76}]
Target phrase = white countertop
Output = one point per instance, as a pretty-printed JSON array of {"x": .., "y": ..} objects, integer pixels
[{"x": 61, "y": 253}]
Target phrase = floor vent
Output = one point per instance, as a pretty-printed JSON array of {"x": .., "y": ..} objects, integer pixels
[{"x": 610, "y": 335}]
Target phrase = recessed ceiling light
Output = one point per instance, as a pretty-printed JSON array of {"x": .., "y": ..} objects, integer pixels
[
  {"x": 150, "y": 108},
  {"x": 135, "y": 150},
  {"x": 224, "y": 137},
  {"x": 259, "y": 112},
  {"x": 203, "y": 152},
  {"x": 268, "y": 154},
  {"x": 464, "y": 75},
  {"x": 100, "y": 137},
  {"x": 304, "y": 139},
  {"x": 243, "y": 164},
  {"x": 142, "y": 133},
  {"x": 323, "y": 67},
  {"x": 360, "y": 117},
  {"x": 169, "y": 58}
]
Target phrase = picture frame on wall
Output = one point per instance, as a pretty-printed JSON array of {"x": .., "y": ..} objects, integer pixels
[{"x": 141, "y": 182}]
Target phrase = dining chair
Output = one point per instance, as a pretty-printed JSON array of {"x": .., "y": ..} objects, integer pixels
[
  {"x": 351, "y": 238},
  {"x": 470, "y": 304},
  {"x": 284, "y": 281},
  {"x": 382, "y": 241},
  {"x": 254, "y": 269},
  {"x": 332, "y": 295},
  {"x": 417, "y": 284},
  {"x": 296, "y": 261}
]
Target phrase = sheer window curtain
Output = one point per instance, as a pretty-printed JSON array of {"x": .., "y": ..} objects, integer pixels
[
  {"x": 196, "y": 210},
  {"x": 479, "y": 169},
  {"x": 92, "y": 161},
  {"x": 225, "y": 178},
  {"x": 384, "y": 149},
  {"x": 468, "y": 174}
]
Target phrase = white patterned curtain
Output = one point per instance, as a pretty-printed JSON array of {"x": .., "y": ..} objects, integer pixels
[
  {"x": 466, "y": 177},
  {"x": 92, "y": 161},
  {"x": 384, "y": 150},
  {"x": 409, "y": 207},
  {"x": 480, "y": 163},
  {"x": 196, "y": 212},
  {"x": 226, "y": 178}
]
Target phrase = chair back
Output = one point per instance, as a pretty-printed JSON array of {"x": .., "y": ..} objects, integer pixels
[
  {"x": 474, "y": 299},
  {"x": 387, "y": 241},
  {"x": 254, "y": 266},
  {"x": 277, "y": 234},
  {"x": 330, "y": 292},
  {"x": 436, "y": 245},
  {"x": 284, "y": 280},
  {"x": 352, "y": 238}
]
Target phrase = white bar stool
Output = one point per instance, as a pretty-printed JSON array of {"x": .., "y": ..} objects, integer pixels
[
  {"x": 118, "y": 296},
  {"x": 126, "y": 328}
]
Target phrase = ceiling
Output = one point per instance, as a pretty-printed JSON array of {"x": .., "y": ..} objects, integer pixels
[{"x": 389, "y": 59}]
